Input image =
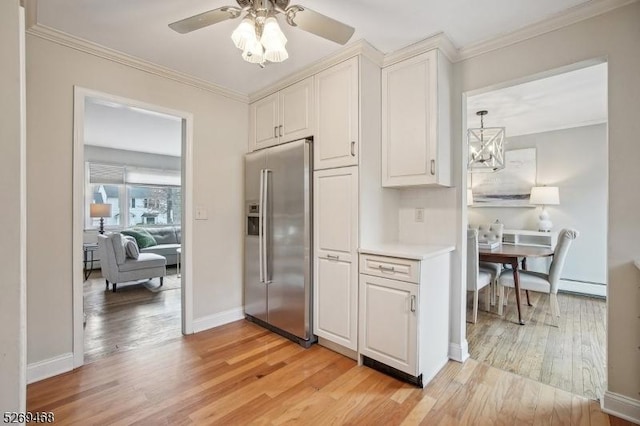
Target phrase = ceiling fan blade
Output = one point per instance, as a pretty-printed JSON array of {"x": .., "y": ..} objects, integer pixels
[
  {"x": 319, "y": 24},
  {"x": 205, "y": 19}
]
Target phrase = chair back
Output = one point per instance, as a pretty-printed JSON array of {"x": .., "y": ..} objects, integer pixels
[
  {"x": 472, "y": 259},
  {"x": 488, "y": 232},
  {"x": 565, "y": 239}
]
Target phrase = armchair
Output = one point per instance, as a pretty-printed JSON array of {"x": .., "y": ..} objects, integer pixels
[{"x": 117, "y": 268}]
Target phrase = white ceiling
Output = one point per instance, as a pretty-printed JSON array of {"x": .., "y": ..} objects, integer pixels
[
  {"x": 139, "y": 28},
  {"x": 573, "y": 99},
  {"x": 118, "y": 126}
]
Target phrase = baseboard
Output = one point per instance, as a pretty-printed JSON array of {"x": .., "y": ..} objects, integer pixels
[
  {"x": 621, "y": 406},
  {"x": 49, "y": 367},
  {"x": 458, "y": 352},
  {"x": 580, "y": 287},
  {"x": 216, "y": 320}
]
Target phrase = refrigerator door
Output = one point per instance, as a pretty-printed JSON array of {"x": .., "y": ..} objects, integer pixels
[
  {"x": 255, "y": 291},
  {"x": 289, "y": 237}
]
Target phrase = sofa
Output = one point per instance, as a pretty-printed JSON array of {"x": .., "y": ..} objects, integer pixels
[{"x": 168, "y": 239}]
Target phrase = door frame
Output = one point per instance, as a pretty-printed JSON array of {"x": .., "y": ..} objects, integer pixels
[{"x": 79, "y": 97}]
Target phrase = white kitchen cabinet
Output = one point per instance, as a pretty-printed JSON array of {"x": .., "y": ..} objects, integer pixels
[
  {"x": 283, "y": 116},
  {"x": 336, "y": 138},
  {"x": 404, "y": 310},
  {"x": 416, "y": 146},
  {"x": 335, "y": 208},
  {"x": 388, "y": 318}
]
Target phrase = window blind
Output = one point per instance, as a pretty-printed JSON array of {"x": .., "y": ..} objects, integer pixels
[
  {"x": 142, "y": 176},
  {"x": 106, "y": 174}
]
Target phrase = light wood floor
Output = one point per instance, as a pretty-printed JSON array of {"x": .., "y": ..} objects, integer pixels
[
  {"x": 132, "y": 317},
  {"x": 240, "y": 373},
  {"x": 570, "y": 357}
]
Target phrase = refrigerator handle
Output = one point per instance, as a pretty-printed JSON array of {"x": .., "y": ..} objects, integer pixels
[
  {"x": 261, "y": 225},
  {"x": 265, "y": 235}
]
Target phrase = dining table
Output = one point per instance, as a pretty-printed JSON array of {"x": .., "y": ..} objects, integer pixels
[{"x": 512, "y": 254}]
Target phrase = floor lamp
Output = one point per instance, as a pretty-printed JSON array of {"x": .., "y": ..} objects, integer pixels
[{"x": 100, "y": 210}]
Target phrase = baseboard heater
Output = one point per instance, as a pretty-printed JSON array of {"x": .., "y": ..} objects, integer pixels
[{"x": 393, "y": 372}]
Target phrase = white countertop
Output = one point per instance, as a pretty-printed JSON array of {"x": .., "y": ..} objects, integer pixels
[{"x": 406, "y": 251}]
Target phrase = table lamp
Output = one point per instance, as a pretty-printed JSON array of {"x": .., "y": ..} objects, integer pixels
[
  {"x": 544, "y": 196},
  {"x": 100, "y": 210}
]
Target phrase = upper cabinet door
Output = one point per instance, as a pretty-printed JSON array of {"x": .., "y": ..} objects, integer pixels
[
  {"x": 264, "y": 122},
  {"x": 336, "y": 140},
  {"x": 415, "y": 122},
  {"x": 296, "y": 111}
]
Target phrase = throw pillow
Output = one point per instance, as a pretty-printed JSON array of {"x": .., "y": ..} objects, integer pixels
[
  {"x": 131, "y": 247},
  {"x": 142, "y": 236}
]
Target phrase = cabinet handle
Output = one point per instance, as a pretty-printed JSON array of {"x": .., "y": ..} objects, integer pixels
[
  {"x": 413, "y": 303},
  {"x": 433, "y": 167},
  {"x": 387, "y": 268},
  {"x": 353, "y": 148},
  {"x": 280, "y": 127},
  {"x": 275, "y": 132},
  {"x": 333, "y": 257}
]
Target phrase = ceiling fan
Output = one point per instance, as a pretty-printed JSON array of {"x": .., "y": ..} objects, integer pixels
[{"x": 258, "y": 35}]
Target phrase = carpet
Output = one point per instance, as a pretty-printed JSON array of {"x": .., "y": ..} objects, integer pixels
[{"x": 171, "y": 282}]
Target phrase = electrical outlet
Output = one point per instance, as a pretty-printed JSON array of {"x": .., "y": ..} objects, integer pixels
[{"x": 419, "y": 215}]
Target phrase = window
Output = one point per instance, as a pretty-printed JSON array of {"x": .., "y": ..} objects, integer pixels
[{"x": 155, "y": 195}]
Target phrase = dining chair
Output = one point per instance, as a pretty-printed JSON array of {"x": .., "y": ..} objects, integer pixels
[
  {"x": 540, "y": 282},
  {"x": 487, "y": 233},
  {"x": 476, "y": 279}
]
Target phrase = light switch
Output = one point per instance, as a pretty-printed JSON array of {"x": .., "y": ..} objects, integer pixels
[
  {"x": 419, "y": 215},
  {"x": 201, "y": 213}
]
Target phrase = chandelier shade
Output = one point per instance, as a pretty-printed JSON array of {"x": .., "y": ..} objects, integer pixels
[{"x": 244, "y": 34}]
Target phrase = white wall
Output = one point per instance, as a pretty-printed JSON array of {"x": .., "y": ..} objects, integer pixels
[
  {"x": 616, "y": 37},
  {"x": 574, "y": 160},
  {"x": 12, "y": 243},
  {"x": 219, "y": 143},
  {"x": 439, "y": 223}
]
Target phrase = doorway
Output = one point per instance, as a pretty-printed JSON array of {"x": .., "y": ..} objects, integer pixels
[
  {"x": 155, "y": 191},
  {"x": 556, "y": 129}
]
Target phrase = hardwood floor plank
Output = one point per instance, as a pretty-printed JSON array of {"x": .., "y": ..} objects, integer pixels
[{"x": 419, "y": 411}]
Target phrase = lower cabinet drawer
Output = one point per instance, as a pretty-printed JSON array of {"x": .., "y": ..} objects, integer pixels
[{"x": 390, "y": 267}]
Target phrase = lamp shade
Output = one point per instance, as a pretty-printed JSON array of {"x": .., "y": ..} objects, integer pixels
[
  {"x": 99, "y": 210},
  {"x": 545, "y": 195}
]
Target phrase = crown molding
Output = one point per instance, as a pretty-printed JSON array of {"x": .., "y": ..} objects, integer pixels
[
  {"x": 437, "y": 41},
  {"x": 360, "y": 47},
  {"x": 563, "y": 19},
  {"x": 82, "y": 45}
]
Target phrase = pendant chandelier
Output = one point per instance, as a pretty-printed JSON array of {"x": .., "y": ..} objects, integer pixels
[{"x": 486, "y": 147}]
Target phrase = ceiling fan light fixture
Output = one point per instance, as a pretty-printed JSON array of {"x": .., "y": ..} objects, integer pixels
[
  {"x": 272, "y": 36},
  {"x": 245, "y": 33}
]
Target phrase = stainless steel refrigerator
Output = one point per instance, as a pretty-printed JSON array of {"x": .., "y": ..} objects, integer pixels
[{"x": 278, "y": 279}]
